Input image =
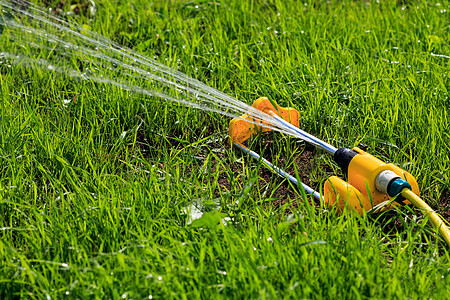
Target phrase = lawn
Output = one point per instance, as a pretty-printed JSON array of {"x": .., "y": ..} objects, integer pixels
[{"x": 98, "y": 184}]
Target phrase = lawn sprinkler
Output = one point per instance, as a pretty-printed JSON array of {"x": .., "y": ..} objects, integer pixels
[{"x": 372, "y": 185}]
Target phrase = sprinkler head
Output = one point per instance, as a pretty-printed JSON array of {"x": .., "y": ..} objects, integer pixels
[{"x": 241, "y": 129}]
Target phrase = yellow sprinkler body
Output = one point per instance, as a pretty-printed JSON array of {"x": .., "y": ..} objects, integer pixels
[
  {"x": 361, "y": 192},
  {"x": 372, "y": 184}
]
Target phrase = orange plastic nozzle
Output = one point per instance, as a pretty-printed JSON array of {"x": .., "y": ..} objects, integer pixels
[{"x": 240, "y": 129}]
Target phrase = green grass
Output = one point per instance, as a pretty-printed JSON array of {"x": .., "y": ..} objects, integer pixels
[{"x": 86, "y": 213}]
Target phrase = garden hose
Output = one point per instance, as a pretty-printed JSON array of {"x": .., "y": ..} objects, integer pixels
[{"x": 428, "y": 212}]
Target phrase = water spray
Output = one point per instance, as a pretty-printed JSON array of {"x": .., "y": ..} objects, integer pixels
[
  {"x": 52, "y": 44},
  {"x": 372, "y": 185}
]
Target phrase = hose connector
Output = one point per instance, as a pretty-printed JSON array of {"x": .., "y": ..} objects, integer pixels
[
  {"x": 389, "y": 183},
  {"x": 397, "y": 186}
]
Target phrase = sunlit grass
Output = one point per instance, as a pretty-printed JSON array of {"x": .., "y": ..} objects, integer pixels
[{"x": 95, "y": 180}]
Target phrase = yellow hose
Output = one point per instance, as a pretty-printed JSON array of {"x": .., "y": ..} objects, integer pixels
[{"x": 429, "y": 212}]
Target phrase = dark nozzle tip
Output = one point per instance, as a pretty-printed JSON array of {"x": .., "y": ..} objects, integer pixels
[{"x": 342, "y": 157}]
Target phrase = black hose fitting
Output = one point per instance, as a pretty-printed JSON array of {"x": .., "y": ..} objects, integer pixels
[{"x": 343, "y": 157}]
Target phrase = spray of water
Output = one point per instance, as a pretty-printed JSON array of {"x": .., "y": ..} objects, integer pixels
[{"x": 35, "y": 38}]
